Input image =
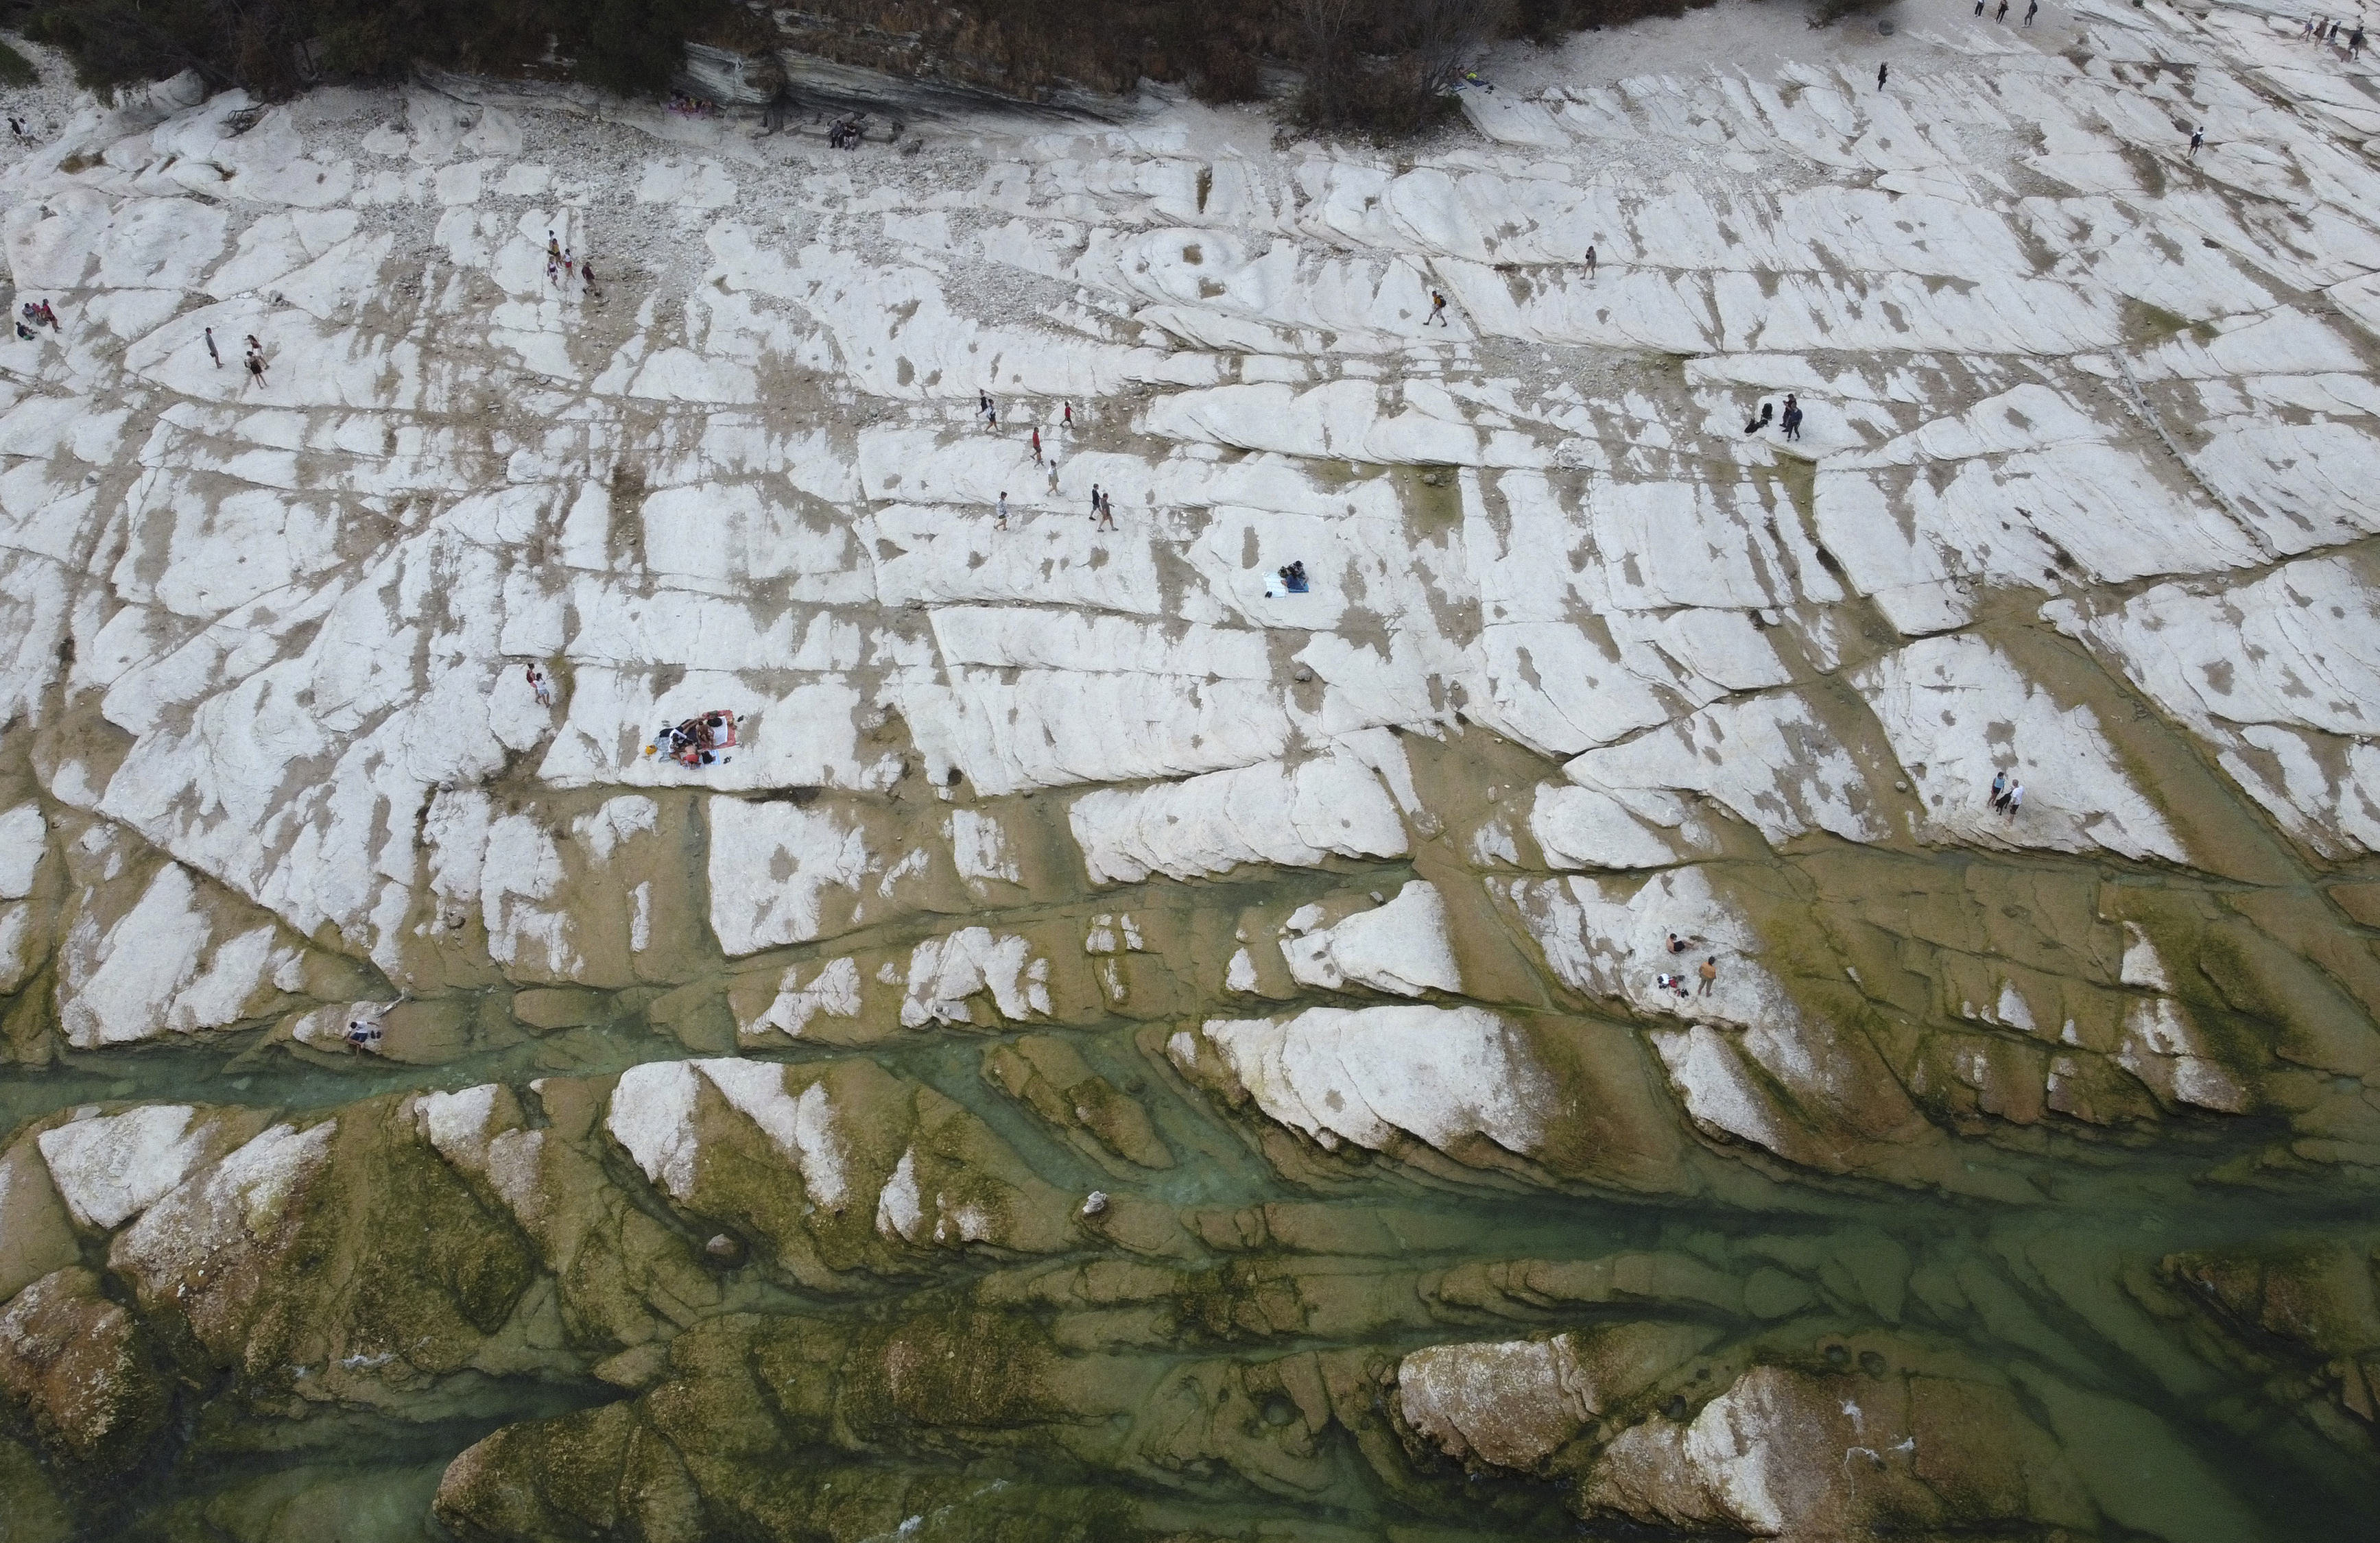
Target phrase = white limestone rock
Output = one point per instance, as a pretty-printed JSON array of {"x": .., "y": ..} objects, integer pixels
[
  {"x": 2277, "y": 675},
  {"x": 1785, "y": 1451},
  {"x": 945, "y": 972},
  {"x": 24, "y": 842},
  {"x": 1586, "y": 827},
  {"x": 1450, "y": 1077},
  {"x": 109, "y": 1168},
  {"x": 1769, "y": 760},
  {"x": 1513, "y": 1404},
  {"x": 1272, "y": 813},
  {"x": 784, "y": 873},
  {"x": 1401, "y": 948},
  {"x": 1956, "y": 710},
  {"x": 180, "y": 961}
]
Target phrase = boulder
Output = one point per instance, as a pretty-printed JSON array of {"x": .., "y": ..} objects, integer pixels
[
  {"x": 1790, "y": 1453},
  {"x": 80, "y": 1367},
  {"x": 1514, "y": 1404}
]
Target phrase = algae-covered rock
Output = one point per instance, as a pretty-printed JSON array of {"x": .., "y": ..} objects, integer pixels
[
  {"x": 80, "y": 1367},
  {"x": 729, "y": 1445},
  {"x": 36, "y": 1235},
  {"x": 2305, "y": 1313},
  {"x": 37, "y": 1512},
  {"x": 1049, "y": 1076},
  {"x": 1816, "y": 1455},
  {"x": 340, "y": 1259},
  {"x": 622, "y": 1277},
  {"x": 835, "y": 1166}
]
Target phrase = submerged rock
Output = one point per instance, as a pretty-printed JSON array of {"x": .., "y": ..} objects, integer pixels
[{"x": 1051, "y": 1077}]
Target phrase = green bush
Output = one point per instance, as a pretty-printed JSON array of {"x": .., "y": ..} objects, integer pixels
[
  {"x": 15, "y": 69},
  {"x": 631, "y": 46}
]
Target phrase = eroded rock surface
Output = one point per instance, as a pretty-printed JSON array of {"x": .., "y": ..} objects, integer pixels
[{"x": 1454, "y": 971}]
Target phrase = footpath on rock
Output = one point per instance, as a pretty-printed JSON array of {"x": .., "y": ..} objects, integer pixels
[{"x": 980, "y": 835}]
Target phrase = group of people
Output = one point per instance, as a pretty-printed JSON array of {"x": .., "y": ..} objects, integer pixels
[
  {"x": 2319, "y": 29},
  {"x": 2031, "y": 10},
  {"x": 687, "y": 106},
  {"x": 39, "y": 314},
  {"x": 1102, "y": 507},
  {"x": 252, "y": 361},
  {"x": 1791, "y": 422},
  {"x": 847, "y": 133},
  {"x": 703, "y": 740},
  {"x": 1293, "y": 577},
  {"x": 561, "y": 266},
  {"x": 2008, "y": 795},
  {"x": 1675, "y": 981},
  {"x": 17, "y": 127}
]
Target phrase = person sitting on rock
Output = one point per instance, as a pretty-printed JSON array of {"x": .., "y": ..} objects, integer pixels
[{"x": 1677, "y": 945}]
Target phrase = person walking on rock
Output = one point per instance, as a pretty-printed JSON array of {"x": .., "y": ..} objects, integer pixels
[
  {"x": 1067, "y": 416},
  {"x": 2014, "y": 801},
  {"x": 1790, "y": 420},
  {"x": 587, "y": 277},
  {"x": 1094, "y": 500},
  {"x": 1709, "y": 972},
  {"x": 1002, "y": 523},
  {"x": 2032, "y": 11},
  {"x": 1436, "y": 309},
  {"x": 1881, "y": 70},
  {"x": 212, "y": 352},
  {"x": 1053, "y": 474},
  {"x": 1107, "y": 512},
  {"x": 1590, "y": 262},
  {"x": 983, "y": 405},
  {"x": 1999, "y": 789},
  {"x": 540, "y": 688},
  {"x": 2197, "y": 140},
  {"x": 2000, "y": 16},
  {"x": 256, "y": 368},
  {"x": 1037, "y": 445}
]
